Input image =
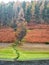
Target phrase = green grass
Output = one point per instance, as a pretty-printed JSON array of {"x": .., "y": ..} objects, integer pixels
[
  {"x": 27, "y": 55},
  {"x": 9, "y": 53},
  {"x": 6, "y": 53}
]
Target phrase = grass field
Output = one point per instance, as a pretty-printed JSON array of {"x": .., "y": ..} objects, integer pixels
[
  {"x": 32, "y": 55},
  {"x": 10, "y": 53},
  {"x": 7, "y": 53}
]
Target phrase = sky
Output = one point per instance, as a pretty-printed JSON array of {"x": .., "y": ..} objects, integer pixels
[{"x": 6, "y": 1}]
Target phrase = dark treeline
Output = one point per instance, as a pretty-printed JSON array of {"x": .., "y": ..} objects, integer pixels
[{"x": 36, "y": 12}]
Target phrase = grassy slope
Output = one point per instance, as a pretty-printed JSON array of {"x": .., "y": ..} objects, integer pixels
[
  {"x": 31, "y": 55},
  {"x": 9, "y": 53}
]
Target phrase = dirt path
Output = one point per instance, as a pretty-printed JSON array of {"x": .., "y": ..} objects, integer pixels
[
  {"x": 28, "y": 46},
  {"x": 34, "y": 47},
  {"x": 3, "y": 45}
]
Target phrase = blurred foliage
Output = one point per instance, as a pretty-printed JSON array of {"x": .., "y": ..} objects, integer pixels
[{"x": 9, "y": 13}]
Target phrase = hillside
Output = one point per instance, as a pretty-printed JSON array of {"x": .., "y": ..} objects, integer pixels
[
  {"x": 7, "y": 35},
  {"x": 37, "y": 33}
]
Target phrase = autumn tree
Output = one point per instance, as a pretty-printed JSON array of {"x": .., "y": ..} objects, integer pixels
[{"x": 21, "y": 26}]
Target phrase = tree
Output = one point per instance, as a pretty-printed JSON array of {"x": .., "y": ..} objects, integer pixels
[
  {"x": 10, "y": 13},
  {"x": 28, "y": 14},
  {"x": 24, "y": 7},
  {"x": 6, "y": 13},
  {"x": 45, "y": 12},
  {"x": 0, "y": 14},
  {"x": 21, "y": 26},
  {"x": 37, "y": 13},
  {"x": 21, "y": 31}
]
